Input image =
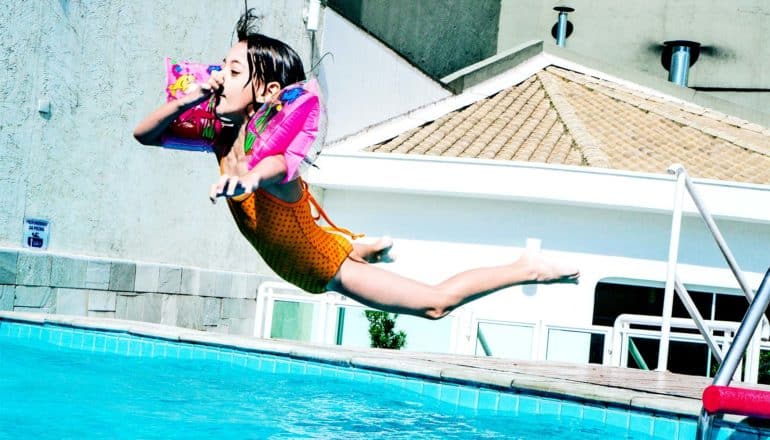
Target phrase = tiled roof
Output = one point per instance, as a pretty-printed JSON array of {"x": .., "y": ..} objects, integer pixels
[{"x": 564, "y": 117}]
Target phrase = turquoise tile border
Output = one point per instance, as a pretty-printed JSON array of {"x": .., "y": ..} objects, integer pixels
[
  {"x": 571, "y": 409},
  {"x": 508, "y": 403},
  {"x": 488, "y": 400},
  {"x": 482, "y": 399}
]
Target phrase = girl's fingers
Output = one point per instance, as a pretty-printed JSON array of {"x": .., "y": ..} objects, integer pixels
[
  {"x": 218, "y": 188},
  {"x": 216, "y": 81},
  {"x": 214, "y": 85},
  {"x": 232, "y": 184},
  {"x": 217, "y": 75},
  {"x": 213, "y": 193}
]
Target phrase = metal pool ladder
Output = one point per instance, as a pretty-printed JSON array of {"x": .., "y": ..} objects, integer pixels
[{"x": 718, "y": 398}]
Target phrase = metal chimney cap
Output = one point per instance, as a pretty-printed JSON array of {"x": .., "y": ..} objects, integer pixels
[
  {"x": 686, "y": 43},
  {"x": 564, "y": 9},
  {"x": 668, "y": 48}
]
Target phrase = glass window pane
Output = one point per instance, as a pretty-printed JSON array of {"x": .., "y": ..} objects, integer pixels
[
  {"x": 421, "y": 334},
  {"x": 292, "y": 320},
  {"x": 568, "y": 346},
  {"x": 505, "y": 340}
]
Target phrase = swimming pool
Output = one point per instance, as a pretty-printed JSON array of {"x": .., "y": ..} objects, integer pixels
[{"x": 60, "y": 381}]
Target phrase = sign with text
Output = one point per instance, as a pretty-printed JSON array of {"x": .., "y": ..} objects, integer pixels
[{"x": 36, "y": 233}]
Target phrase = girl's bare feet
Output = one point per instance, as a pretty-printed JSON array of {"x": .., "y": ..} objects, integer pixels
[
  {"x": 381, "y": 251},
  {"x": 377, "y": 252},
  {"x": 545, "y": 271}
]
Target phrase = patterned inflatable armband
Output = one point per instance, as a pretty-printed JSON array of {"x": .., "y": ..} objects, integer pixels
[
  {"x": 294, "y": 126},
  {"x": 196, "y": 128}
]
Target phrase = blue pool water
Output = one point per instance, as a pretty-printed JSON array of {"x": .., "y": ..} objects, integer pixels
[{"x": 58, "y": 382}]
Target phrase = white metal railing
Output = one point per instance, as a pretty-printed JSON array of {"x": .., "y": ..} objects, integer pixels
[
  {"x": 466, "y": 329},
  {"x": 325, "y": 314},
  {"x": 324, "y": 319},
  {"x": 673, "y": 284},
  {"x": 464, "y": 332},
  {"x": 624, "y": 329}
]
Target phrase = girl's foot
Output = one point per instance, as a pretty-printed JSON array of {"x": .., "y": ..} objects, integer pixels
[
  {"x": 380, "y": 251},
  {"x": 545, "y": 271}
]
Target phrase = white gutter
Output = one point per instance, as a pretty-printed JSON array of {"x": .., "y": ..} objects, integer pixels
[{"x": 541, "y": 183}]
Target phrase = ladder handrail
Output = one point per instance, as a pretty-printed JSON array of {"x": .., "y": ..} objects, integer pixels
[
  {"x": 712, "y": 227},
  {"x": 742, "y": 337},
  {"x": 684, "y": 296},
  {"x": 673, "y": 284},
  {"x": 748, "y": 326}
]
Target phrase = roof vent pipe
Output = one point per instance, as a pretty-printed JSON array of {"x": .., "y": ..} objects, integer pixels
[
  {"x": 563, "y": 28},
  {"x": 683, "y": 55}
]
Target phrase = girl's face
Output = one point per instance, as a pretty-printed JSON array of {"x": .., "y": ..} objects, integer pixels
[{"x": 235, "y": 101}]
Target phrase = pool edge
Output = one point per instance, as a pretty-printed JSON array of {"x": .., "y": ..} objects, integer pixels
[{"x": 392, "y": 362}]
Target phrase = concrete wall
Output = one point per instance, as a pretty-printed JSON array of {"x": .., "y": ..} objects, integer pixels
[
  {"x": 367, "y": 83},
  {"x": 100, "y": 65},
  {"x": 133, "y": 235},
  {"x": 217, "y": 301},
  {"x": 439, "y": 36},
  {"x": 629, "y": 34}
]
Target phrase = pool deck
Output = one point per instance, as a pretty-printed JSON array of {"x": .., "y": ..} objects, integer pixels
[{"x": 625, "y": 387}]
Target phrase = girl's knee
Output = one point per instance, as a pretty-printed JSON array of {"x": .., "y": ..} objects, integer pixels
[
  {"x": 434, "y": 314},
  {"x": 443, "y": 302}
]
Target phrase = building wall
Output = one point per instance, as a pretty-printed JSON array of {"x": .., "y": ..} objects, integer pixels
[
  {"x": 436, "y": 237},
  {"x": 438, "y": 36},
  {"x": 366, "y": 82},
  {"x": 183, "y": 296},
  {"x": 629, "y": 34},
  {"x": 100, "y": 65}
]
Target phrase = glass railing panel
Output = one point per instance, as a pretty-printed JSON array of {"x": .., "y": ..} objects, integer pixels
[{"x": 513, "y": 341}]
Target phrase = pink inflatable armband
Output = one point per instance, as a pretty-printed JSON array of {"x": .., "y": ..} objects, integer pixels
[
  {"x": 196, "y": 128},
  {"x": 289, "y": 127}
]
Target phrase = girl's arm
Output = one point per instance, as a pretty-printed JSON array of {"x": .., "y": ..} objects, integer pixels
[
  {"x": 268, "y": 171},
  {"x": 150, "y": 129}
]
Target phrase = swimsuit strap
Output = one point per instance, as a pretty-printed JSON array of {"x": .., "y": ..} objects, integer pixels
[{"x": 321, "y": 213}]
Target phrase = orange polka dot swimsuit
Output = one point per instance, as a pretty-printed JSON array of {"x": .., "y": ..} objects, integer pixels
[{"x": 288, "y": 238}]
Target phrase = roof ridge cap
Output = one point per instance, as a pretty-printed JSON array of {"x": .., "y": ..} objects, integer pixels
[
  {"x": 645, "y": 103},
  {"x": 590, "y": 147}
]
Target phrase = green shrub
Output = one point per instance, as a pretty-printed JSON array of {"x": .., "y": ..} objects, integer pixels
[
  {"x": 381, "y": 332},
  {"x": 764, "y": 367}
]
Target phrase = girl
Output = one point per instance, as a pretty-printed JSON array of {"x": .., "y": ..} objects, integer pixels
[{"x": 271, "y": 205}]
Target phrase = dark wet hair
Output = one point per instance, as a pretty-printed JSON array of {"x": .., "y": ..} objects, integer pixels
[{"x": 269, "y": 59}]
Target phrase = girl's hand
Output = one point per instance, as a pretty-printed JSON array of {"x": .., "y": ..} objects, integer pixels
[
  {"x": 231, "y": 186},
  {"x": 199, "y": 92}
]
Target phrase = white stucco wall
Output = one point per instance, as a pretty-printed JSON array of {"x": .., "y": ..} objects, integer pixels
[
  {"x": 366, "y": 82},
  {"x": 449, "y": 215},
  {"x": 438, "y": 236}
]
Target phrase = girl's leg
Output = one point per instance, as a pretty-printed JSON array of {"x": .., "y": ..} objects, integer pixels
[
  {"x": 375, "y": 252},
  {"x": 391, "y": 292}
]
